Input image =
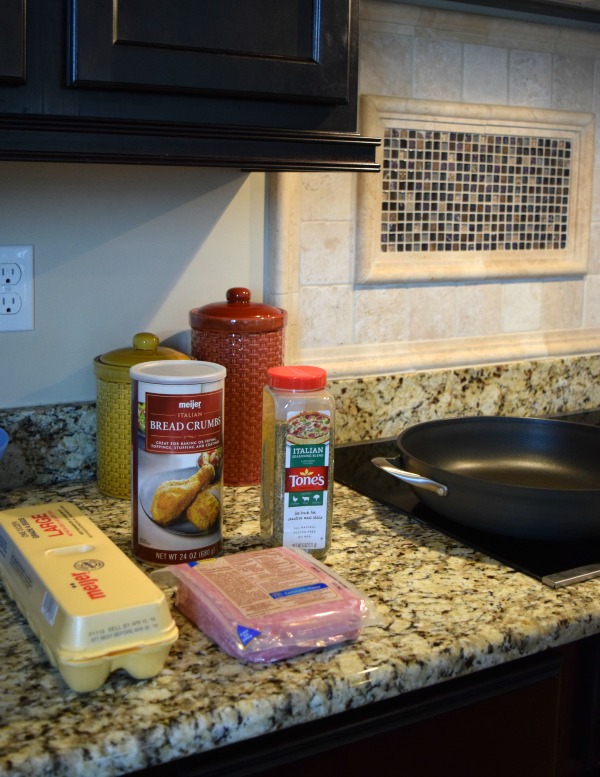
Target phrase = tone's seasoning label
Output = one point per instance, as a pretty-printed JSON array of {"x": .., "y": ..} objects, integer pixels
[
  {"x": 306, "y": 490},
  {"x": 307, "y": 476}
]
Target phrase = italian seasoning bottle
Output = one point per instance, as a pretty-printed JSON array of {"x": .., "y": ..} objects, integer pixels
[{"x": 297, "y": 459}]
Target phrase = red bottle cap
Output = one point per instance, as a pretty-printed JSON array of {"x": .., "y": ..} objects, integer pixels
[{"x": 297, "y": 378}]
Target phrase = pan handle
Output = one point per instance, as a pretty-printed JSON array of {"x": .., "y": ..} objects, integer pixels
[
  {"x": 387, "y": 465},
  {"x": 570, "y": 576}
]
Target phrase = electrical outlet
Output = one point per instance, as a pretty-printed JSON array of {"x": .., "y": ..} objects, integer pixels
[
  {"x": 10, "y": 304},
  {"x": 16, "y": 288},
  {"x": 10, "y": 274}
]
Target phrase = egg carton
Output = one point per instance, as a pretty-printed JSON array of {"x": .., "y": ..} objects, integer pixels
[{"x": 93, "y": 610}]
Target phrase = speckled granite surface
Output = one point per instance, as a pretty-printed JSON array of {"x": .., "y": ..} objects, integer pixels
[
  {"x": 447, "y": 610},
  {"x": 53, "y": 444},
  {"x": 382, "y": 406},
  {"x": 48, "y": 444}
]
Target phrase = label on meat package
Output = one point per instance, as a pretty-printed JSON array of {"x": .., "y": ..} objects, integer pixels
[{"x": 270, "y": 583}]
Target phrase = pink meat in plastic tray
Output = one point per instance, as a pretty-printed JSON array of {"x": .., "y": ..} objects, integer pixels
[{"x": 266, "y": 605}]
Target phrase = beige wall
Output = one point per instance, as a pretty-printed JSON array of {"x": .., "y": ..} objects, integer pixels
[{"x": 117, "y": 250}]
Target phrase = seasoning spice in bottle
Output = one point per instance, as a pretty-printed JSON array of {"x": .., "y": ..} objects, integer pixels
[{"x": 297, "y": 459}]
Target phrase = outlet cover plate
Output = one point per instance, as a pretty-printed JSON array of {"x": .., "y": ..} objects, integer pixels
[{"x": 16, "y": 288}]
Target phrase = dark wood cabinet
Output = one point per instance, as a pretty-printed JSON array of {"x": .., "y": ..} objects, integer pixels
[
  {"x": 539, "y": 716},
  {"x": 12, "y": 41},
  {"x": 255, "y": 84},
  {"x": 264, "y": 49}
]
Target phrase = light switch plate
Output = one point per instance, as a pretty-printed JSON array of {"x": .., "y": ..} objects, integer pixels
[{"x": 16, "y": 288}]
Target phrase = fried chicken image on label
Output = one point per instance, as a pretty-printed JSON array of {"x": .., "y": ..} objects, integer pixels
[
  {"x": 173, "y": 497},
  {"x": 204, "y": 511}
]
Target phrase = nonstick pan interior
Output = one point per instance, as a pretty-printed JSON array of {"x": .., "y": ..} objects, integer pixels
[{"x": 524, "y": 452}]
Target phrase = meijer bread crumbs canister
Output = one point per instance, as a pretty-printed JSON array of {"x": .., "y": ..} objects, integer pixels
[{"x": 177, "y": 460}]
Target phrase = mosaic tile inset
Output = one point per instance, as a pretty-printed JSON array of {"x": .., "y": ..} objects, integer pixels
[{"x": 469, "y": 191}]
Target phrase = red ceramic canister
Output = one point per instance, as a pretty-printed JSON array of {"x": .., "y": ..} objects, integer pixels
[{"x": 247, "y": 338}]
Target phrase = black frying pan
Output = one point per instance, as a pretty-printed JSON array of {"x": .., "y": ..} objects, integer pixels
[{"x": 523, "y": 477}]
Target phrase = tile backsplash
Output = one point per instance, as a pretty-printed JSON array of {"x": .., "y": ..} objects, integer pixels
[
  {"x": 360, "y": 326},
  {"x": 464, "y": 191}
]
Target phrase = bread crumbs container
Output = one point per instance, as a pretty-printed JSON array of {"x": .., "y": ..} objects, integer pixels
[
  {"x": 247, "y": 338},
  {"x": 93, "y": 610},
  {"x": 297, "y": 460},
  {"x": 113, "y": 409},
  {"x": 177, "y": 460}
]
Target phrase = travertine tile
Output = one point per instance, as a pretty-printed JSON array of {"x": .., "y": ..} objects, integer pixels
[
  {"x": 596, "y": 105},
  {"x": 578, "y": 41},
  {"x": 529, "y": 36},
  {"x": 326, "y": 251},
  {"x": 326, "y": 196},
  {"x": 410, "y": 51},
  {"x": 530, "y": 79},
  {"x": 478, "y": 309},
  {"x": 432, "y": 311},
  {"x": 383, "y": 12},
  {"x": 381, "y": 315},
  {"x": 469, "y": 28},
  {"x": 486, "y": 74},
  {"x": 592, "y": 302},
  {"x": 325, "y": 316},
  {"x": 438, "y": 69},
  {"x": 562, "y": 304},
  {"x": 596, "y": 191},
  {"x": 386, "y": 64},
  {"x": 594, "y": 265},
  {"x": 521, "y": 306},
  {"x": 572, "y": 82}
]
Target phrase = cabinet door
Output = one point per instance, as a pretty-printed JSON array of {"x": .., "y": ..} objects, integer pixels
[
  {"x": 12, "y": 41},
  {"x": 294, "y": 50}
]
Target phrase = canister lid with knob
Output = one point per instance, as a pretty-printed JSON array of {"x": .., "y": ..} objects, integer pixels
[{"x": 238, "y": 314}]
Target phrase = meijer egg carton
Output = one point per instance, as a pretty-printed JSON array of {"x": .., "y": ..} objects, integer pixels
[{"x": 93, "y": 610}]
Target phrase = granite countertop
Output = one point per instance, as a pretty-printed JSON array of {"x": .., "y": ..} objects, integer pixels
[{"x": 446, "y": 611}]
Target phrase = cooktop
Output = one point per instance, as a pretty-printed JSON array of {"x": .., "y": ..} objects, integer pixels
[{"x": 555, "y": 564}]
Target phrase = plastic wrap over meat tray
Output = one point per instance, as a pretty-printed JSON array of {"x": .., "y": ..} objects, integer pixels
[{"x": 267, "y": 605}]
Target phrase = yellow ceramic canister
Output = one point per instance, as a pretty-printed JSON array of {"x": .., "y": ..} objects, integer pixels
[{"x": 113, "y": 409}]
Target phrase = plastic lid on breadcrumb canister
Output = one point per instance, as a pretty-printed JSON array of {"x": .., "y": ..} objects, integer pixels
[{"x": 297, "y": 378}]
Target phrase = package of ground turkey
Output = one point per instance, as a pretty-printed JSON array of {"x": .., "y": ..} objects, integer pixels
[{"x": 271, "y": 604}]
